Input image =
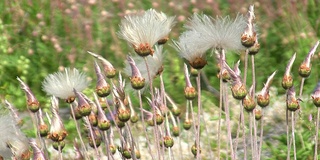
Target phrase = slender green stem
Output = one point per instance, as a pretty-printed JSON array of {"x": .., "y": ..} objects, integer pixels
[
  {"x": 199, "y": 113},
  {"x": 288, "y": 135},
  {"x": 156, "y": 132},
  {"x": 78, "y": 130},
  {"x": 144, "y": 125},
  {"x": 293, "y": 136},
  {"x": 261, "y": 135},
  {"x": 316, "y": 137},
  {"x": 251, "y": 135}
]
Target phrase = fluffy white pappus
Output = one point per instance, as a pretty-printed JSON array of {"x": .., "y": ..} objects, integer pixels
[
  {"x": 61, "y": 84},
  {"x": 12, "y": 141},
  {"x": 220, "y": 32},
  {"x": 191, "y": 45},
  {"x": 148, "y": 27}
]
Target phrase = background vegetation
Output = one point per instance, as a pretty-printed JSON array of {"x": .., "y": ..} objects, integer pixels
[{"x": 40, "y": 37}]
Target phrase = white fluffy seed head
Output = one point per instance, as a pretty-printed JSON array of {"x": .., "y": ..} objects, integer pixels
[
  {"x": 61, "y": 84},
  {"x": 146, "y": 28}
]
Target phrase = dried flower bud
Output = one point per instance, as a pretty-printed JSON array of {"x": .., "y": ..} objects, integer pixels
[
  {"x": 248, "y": 102},
  {"x": 287, "y": 81},
  {"x": 263, "y": 98},
  {"x": 112, "y": 149},
  {"x": 57, "y": 131},
  {"x": 37, "y": 152},
  {"x": 194, "y": 149},
  {"x": 189, "y": 92},
  {"x": 77, "y": 113},
  {"x": 293, "y": 103},
  {"x": 32, "y": 103},
  {"x": 305, "y": 67},
  {"x": 258, "y": 114},
  {"x": 187, "y": 124},
  {"x": 57, "y": 145},
  {"x": 119, "y": 123},
  {"x": 176, "y": 131},
  {"x": 134, "y": 118},
  {"x": 108, "y": 67},
  {"x": 316, "y": 95},
  {"x": 124, "y": 113},
  {"x": 137, "y": 81},
  {"x": 42, "y": 126},
  {"x": 83, "y": 105},
  {"x": 138, "y": 154},
  {"x": 168, "y": 141},
  {"x": 96, "y": 138},
  {"x": 239, "y": 91},
  {"x": 93, "y": 119},
  {"x": 248, "y": 38},
  {"x": 102, "y": 87},
  {"x": 253, "y": 50}
]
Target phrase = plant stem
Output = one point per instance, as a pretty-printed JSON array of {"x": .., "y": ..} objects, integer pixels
[
  {"x": 261, "y": 135},
  {"x": 78, "y": 130},
  {"x": 92, "y": 136},
  {"x": 156, "y": 132},
  {"x": 144, "y": 125},
  {"x": 316, "y": 137},
  {"x": 199, "y": 113},
  {"x": 251, "y": 135},
  {"x": 293, "y": 137}
]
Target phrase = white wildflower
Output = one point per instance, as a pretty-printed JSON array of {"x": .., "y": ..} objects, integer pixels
[
  {"x": 61, "y": 84},
  {"x": 144, "y": 30},
  {"x": 221, "y": 32}
]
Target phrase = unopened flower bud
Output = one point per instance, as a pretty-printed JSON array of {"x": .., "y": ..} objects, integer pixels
[
  {"x": 96, "y": 138},
  {"x": 112, "y": 149},
  {"x": 263, "y": 100},
  {"x": 44, "y": 130},
  {"x": 159, "y": 119},
  {"x": 137, "y": 82},
  {"x": 93, "y": 119},
  {"x": 119, "y": 123},
  {"x": 126, "y": 152},
  {"x": 168, "y": 141},
  {"x": 258, "y": 114},
  {"x": 176, "y": 131},
  {"x": 108, "y": 67},
  {"x": 194, "y": 149},
  {"x": 102, "y": 87},
  {"x": 253, "y": 50},
  {"x": 176, "y": 111},
  {"x": 248, "y": 103},
  {"x": 193, "y": 72},
  {"x": 190, "y": 93},
  {"x": 57, "y": 131},
  {"x": 316, "y": 95},
  {"x": 305, "y": 67},
  {"x": 84, "y": 107},
  {"x": 57, "y": 145},
  {"x": 138, "y": 154},
  {"x": 292, "y": 102},
  {"x": 134, "y": 118},
  {"x": 187, "y": 124},
  {"x": 239, "y": 91},
  {"x": 124, "y": 114},
  {"x": 287, "y": 81},
  {"x": 32, "y": 103}
]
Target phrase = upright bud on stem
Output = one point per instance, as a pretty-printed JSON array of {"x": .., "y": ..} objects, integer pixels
[
  {"x": 84, "y": 106},
  {"x": 287, "y": 80},
  {"x": 263, "y": 97},
  {"x": 293, "y": 103},
  {"x": 189, "y": 91},
  {"x": 32, "y": 103},
  {"x": 248, "y": 38},
  {"x": 102, "y": 87},
  {"x": 305, "y": 67},
  {"x": 238, "y": 88},
  {"x": 248, "y": 102},
  {"x": 57, "y": 131},
  {"x": 108, "y": 67},
  {"x": 136, "y": 79},
  {"x": 316, "y": 95}
]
